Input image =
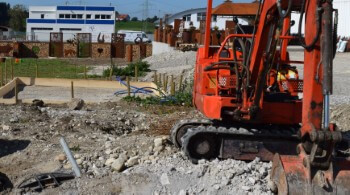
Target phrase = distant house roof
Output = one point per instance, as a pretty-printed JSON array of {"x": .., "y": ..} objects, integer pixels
[
  {"x": 228, "y": 8},
  {"x": 5, "y": 28},
  {"x": 180, "y": 15},
  {"x": 123, "y": 16}
]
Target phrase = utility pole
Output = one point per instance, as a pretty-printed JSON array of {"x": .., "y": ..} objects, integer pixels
[{"x": 145, "y": 15}]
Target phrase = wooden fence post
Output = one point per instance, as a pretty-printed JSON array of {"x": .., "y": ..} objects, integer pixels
[
  {"x": 2, "y": 78},
  {"x": 166, "y": 84},
  {"x": 5, "y": 72},
  {"x": 12, "y": 69},
  {"x": 72, "y": 89},
  {"x": 155, "y": 77},
  {"x": 172, "y": 89},
  {"x": 128, "y": 85},
  {"x": 180, "y": 82},
  {"x": 16, "y": 91},
  {"x": 136, "y": 72},
  {"x": 160, "y": 80}
]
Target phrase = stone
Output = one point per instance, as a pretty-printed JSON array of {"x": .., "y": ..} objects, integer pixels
[
  {"x": 109, "y": 151},
  {"x": 79, "y": 161},
  {"x": 123, "y": 156},
  {"x": 164, "y": 180},
  {"x": 132, "y": 161},
  {"x": 182, "y": 192},
  {"x": 14, "y": 120},
  {"x": 118, "y": 165},
  {"x": 110, "y": 161},
  {"x": 216, "y": 187},
  {"x": 127, "y": 122},
  {"x": 263, "y": 171},
  {"x": 158, "y": 142},
  {"x": 158, "y": 149},
  {"x": 76, "y": 104},
  {"x": 67, "y": 166},
  {"x": 246, "y": 188},
  {"x": 252, "y": 180},
  {"x": 61, "y": 157},
  {"x": 38, "y": 103},
  {"x": 108, "y": 144},
  {"x": 6, "y": 128}
]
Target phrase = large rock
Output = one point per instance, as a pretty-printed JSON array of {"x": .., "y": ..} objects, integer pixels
[
  {"x": 132, "y": 161},
  {"x": 76, "y": 104},
  {"x": 119, "y": 164},
  {"x": 158, "y": 142},
  {"x": 164, "y": 179},
  {"x": 38, "y": 103},
  {"x": 110, "y": 161},
  {"x": 6, "y": 127},
  {"x": 61, "y": 157}
]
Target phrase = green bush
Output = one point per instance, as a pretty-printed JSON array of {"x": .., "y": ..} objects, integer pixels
[
  {"x": 180, "y": 99},
  {"x": 129, "y": 70}
]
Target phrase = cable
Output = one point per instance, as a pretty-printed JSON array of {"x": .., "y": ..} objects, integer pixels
[
  {"x": 318, "y": 23},
  {"x": 280, "y": 11}
]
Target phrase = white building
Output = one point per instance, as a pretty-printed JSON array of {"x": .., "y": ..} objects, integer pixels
[
  {"x": 343, "y": 7},
  {"x": 70, "y": 20},
  {"x": 193, "y": 17},
  {"x": 220, "y": 15}
]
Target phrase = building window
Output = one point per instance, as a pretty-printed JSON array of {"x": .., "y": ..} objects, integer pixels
[
  {"x": 88, "y": 16},
  {"x": 33, "y": 29},
  {"x": 80, "y": 16},
  {"x": 108, "y": 17},
  {"x": 42, "y": 16},
  {"x": 67, "y": 16},
  {"x": 201, "y": 16},
  {"x": 103, "y": 17},
  {"x": 187, "y": 18},
  {"x": 70, "y": 29},
  {"x": 61, "y": 16},
  {"x": 97, "y": 16},
  {"x": 215, "y": 18},
  {"x": 74, "y": 16}
]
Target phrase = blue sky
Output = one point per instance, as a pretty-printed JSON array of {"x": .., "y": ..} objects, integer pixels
[{"x": 132, "y": 7}]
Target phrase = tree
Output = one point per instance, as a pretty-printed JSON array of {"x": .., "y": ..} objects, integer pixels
[
  {"x": 18, "y": 16},
  {"x": 154, "y": 19},
  {"x": 4, "y": 14},
  {"x": 134, "y": 19}
]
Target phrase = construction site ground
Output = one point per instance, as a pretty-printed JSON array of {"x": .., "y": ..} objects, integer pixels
[{"x": 124, "y": 148}]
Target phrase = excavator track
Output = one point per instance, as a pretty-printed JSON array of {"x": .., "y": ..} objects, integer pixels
[
  {"x": 181, "y": 127},
  {"x": 241, "y": 143}
]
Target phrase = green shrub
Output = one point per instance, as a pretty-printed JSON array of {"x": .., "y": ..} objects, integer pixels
[
  {"x": 129, "y": 70},
  {"x": 180, "y": 99}
]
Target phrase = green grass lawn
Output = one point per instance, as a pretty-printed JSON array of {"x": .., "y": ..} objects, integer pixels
[
  {"x": 47, "y": 68},
  {"x": 134, "y": 25}
]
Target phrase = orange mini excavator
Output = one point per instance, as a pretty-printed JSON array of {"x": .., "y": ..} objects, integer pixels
[{"x": 258, "y": 106}]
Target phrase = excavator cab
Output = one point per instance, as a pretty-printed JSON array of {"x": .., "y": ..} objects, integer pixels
[{"x": 257, "y": 105}]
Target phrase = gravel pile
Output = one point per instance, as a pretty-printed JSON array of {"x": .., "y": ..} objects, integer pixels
[{"x": 176, "y": 175}]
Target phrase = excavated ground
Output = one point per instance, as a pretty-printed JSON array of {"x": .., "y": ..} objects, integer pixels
[{"x": 124, "y": 148}]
